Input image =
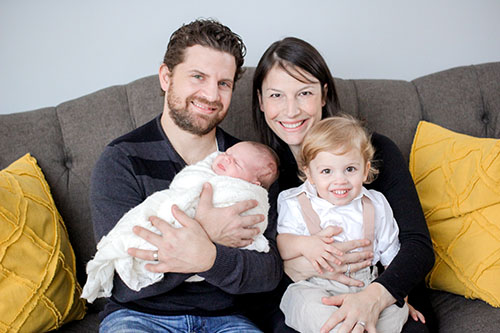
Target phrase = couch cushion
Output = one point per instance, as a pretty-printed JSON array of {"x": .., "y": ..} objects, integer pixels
[
  {"x": 38, "y": 285},
  {"x": 463, "y": 99},
  {"x": 457, "y": 178},
  {"x": 458, "y": 314}
]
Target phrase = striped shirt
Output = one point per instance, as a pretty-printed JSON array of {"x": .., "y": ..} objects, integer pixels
[{"x": 133, "y": 167}]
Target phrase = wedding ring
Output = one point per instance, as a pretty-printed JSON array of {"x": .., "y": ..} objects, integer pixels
[
  {"x": 362, "y": 323},
  {"x": 155, "y": 256}
]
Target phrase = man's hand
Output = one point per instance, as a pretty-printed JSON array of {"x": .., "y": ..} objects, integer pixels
[
  {"x": 180, "y": 250},
  {"x": 225, "y": 226}
]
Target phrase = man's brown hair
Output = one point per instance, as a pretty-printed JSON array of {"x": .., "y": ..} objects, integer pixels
[{"x": 208, "y": 33}]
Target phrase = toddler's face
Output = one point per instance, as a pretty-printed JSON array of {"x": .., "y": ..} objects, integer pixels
[
  {"x": 338, "y": 177},
  {"x": 241, "y": 161}
]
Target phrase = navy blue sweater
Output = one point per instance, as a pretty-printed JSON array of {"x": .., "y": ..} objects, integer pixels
[{"x": 133, "y": 167}]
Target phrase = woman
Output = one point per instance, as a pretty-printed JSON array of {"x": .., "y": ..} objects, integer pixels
[{"x": 292, "y": 90}]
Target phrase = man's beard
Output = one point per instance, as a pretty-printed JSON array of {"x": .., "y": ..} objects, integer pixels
[{"x": 197, "y": 124}]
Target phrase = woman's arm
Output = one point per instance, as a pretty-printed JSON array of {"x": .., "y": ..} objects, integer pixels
[{"x": 416, "y": 256}]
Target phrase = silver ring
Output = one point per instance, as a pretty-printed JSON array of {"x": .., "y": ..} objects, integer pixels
[
  {"x": 348, "y": 272},
  {"x": 155, "y": 256},
  {"x": 362, "y": 323}
]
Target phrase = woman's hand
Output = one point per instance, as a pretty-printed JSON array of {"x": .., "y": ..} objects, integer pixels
[
  {"x": 358, "y": 312},
  {"x": 225, "y": 226}
]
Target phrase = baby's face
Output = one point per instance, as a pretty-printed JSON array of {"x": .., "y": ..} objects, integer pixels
[{"x": 242, "y": 161}]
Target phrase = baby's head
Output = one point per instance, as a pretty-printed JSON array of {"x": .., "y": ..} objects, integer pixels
[
  {"x": 250, "y": 161},
  {"x": 336, "y": 157}
]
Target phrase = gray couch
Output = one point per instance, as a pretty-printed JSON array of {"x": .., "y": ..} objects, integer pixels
[{"x": 68, "y": 138}]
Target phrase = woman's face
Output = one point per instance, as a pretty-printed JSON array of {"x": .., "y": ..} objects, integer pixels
[{"x": 291, "y": 107}]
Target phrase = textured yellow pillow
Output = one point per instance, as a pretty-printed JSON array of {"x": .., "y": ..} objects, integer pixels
[
  {"x": 38, "y": 287},
  {"x": 458, "y": 181}
]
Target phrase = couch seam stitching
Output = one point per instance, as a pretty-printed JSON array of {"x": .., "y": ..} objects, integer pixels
[
  {"x": 132, "y": 118},
  {"x": 420, "y": 102},
  {"x": 484, "y": 110},
  {"x": 358, "y": 109},
  {"x": 66, "y": 155}
]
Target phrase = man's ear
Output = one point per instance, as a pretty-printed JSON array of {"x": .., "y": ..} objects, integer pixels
[{"x": 164, "y": 76}]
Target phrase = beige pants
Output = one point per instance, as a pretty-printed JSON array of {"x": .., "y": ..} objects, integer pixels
[{"x": 305, "y": 312}]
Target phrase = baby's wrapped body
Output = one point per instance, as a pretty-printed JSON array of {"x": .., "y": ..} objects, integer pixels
[{"x": 184, "y": 192}]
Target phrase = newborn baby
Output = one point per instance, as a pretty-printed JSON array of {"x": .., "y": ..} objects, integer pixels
[{"x": 245, "y": 171}]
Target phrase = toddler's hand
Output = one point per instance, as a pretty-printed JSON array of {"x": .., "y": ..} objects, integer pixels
[
  {"x": 320, "y": 252},
  {"x": 414, "y": 313}
]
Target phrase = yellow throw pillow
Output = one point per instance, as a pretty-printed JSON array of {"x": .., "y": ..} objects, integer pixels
[
  {"x": 38, "y": 287},
  {"x": 458, "y": 181}
]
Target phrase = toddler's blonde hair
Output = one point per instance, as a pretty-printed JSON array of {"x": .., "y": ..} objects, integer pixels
[{"x": 338, "y": 134}]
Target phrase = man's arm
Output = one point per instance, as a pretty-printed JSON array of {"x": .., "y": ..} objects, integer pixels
[
  {"x": 190, "y": 250},
  {"x": 239, "y": 271},
  {"x": 114, "y": 191}
]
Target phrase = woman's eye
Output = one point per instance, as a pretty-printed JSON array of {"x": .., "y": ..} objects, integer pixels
[
  {"x": 305, "y": 93},
  {"x": 275, "y": 95}
]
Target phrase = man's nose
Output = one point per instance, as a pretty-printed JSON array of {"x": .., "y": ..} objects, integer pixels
[{"x": 210, "y": 91}]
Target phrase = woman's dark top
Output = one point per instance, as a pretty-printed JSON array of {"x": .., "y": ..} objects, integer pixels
[{"x": 415, "y": 257}]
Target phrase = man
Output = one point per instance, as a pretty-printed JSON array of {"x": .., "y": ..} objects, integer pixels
[{"x": 201, "y": 65}]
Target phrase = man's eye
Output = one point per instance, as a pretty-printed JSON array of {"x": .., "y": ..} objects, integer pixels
[
  {"x": 198, "y": 76},
  {"x": 225, "y": 84}
]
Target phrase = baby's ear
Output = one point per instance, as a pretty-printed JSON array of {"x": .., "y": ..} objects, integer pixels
[{"x": 256, "y": 182}]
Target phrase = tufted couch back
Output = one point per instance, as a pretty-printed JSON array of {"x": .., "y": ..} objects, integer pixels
[{"x": 67, "y": 139}]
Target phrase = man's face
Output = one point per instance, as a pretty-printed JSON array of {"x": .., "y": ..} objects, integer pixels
[{"x": 200, "y": 89}]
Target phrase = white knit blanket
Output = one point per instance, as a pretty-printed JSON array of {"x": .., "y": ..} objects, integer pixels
[{"x": 184, "y": 191}]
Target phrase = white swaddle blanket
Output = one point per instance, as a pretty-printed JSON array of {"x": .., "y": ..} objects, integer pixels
[{"x": 184, "y": 191}]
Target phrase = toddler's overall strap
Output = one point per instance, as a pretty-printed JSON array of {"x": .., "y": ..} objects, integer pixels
[
  {"x": 368, "y": 221},
  {"x": 310, "y": 216},
  {"x": 314, "y": 224}
]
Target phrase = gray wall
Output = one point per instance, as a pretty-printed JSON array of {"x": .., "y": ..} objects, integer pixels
[{"x": 54, "y": 50}]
